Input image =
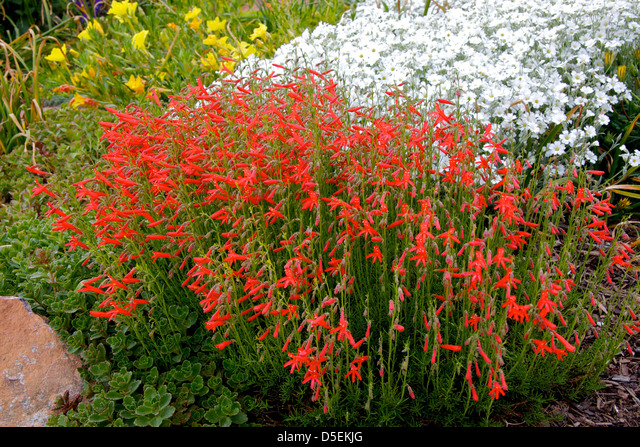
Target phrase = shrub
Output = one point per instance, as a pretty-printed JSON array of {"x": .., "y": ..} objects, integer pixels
[{"x": 378, "y": 258}]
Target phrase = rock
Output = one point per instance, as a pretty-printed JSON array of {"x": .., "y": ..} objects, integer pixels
[{"x": 35, "y": 367}]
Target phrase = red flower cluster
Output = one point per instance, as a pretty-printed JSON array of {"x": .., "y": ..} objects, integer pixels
[{"x": 271, "y": 200}]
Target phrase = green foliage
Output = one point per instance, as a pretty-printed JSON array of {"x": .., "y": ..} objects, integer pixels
[{"x": 16, "y": 16}]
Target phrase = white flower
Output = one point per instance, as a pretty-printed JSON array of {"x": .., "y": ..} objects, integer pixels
[
  {"x": 524, "y": 65},
  {"x": 602, "y": 119},
  {"x": 558, "y": 170},
  {"x": 537, "y": 100},
  {"x": 634, "y": 159},
  {"x": 578, "y": 78},
  {"x": 567, "y": 137},
  {"x": 624, "y": 152},
  {"x": 586, "y": 89},
  {"x": 557, "y": 116},
  {"x": 590, "y": 156},
  {"x": 556, "y": 148}
]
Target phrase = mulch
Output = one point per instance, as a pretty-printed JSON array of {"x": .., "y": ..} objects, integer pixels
[{"x": 615, "y": 405}]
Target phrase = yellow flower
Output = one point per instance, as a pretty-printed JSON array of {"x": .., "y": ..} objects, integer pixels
[
  {"x": 173, "y": 26},
  {"x": 123, "y": 10},
  {"x": 218, "y": 42},
  {"x": 58, "y": 54},
  {"x": 136, "y": 84},
  {"x": 259, "y": 33},
  {"x": 138, "y": 39},
  {"x": 195, "y": 11},
  {"x": 85, "y": 34},
  {"x": 211, "y": 40},
  {"x": 78, "y": 101},
  {"x": 211, "y": 62},
  {"x": 162, "y": 75},
  {"x": 245, "y": 50},
  {"x": 229, "y": 65},
  {"x": 216, "y": 25},
  {"x": 195, "y": 24}
]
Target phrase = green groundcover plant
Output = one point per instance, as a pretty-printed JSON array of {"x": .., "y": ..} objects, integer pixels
[{"x": 389, "y": 261}]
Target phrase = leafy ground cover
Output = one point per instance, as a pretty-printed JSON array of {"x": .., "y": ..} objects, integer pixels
[{"x": 257, "y": 213}]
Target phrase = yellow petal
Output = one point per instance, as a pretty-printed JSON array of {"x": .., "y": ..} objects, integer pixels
[
  {"x": 139, "y": 39},
  {"x": 195, "y": 11},
  {"x": 211, "y": 62},
  {"x": 216, "y": 25},
  {"x": 84, "y": 34},
  {"x": 122, "y": 10},
  {"x": 195, "y": 24},
  {"x": 78, "y": 100},
  {"x": 96, "y": 25},
  {"x": 259, "y": 33},
  {"x": 136, "y": 84},
  {"x": 210, "y": 40},
  {"x": 57, "y": 54}
]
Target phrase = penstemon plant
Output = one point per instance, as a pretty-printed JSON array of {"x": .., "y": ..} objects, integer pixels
[{"x": 398, "y": 255}]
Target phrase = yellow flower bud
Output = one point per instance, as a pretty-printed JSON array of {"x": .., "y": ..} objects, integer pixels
[{"x": 622, "y": 72}]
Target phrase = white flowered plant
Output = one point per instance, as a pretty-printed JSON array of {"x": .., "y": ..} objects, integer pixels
[{"x": 524, "y": 66}]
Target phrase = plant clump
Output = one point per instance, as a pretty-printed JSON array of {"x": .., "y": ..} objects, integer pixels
[{"x": 380, "y": 257}]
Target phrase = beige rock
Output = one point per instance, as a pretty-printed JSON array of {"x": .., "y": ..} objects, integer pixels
[{"x": 35, "y": 367}]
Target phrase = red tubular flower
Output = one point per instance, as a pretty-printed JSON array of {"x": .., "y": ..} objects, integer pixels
[
  {"x": 34, "y": 170},
  {"x": 496, "y": 391},
  {"x": 224, "y": 344},
  {"x": 376, "y": 255},
  {"x": 41, "y": 189},
  {"x": 454, "y": 348}
]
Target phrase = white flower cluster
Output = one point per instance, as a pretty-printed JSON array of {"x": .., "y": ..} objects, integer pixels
[{"x": 525, "y": 66}]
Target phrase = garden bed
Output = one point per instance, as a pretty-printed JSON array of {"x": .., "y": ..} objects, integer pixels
[{"x": 281, "y": 215}]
